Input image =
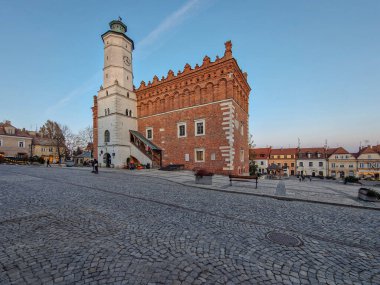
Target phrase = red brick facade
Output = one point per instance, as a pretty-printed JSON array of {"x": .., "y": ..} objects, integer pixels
[
  {"x": 216, "y": 92},
  {"x": 95, "y": 126}
]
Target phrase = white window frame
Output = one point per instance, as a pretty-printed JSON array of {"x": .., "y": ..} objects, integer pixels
[
  {"x": 195, "y": 155},
  {"x": 146, "y": 133},
  {"x": 196, "y": 127},
  {"x": 21, "y": 142},
  {"x": 178, "y": 129}
]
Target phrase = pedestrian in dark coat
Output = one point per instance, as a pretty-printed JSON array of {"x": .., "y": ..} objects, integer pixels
[{"x": 96, "y": 165}]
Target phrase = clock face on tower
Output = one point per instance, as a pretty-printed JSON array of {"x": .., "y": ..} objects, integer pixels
[{"x": 127, "y": 60}]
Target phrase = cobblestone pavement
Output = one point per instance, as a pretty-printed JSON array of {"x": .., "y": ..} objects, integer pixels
[
  {"x": 323, "y": 191},
  {"x": 61, "y": 226}
]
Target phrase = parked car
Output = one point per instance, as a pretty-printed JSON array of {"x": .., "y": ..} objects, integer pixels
[{"x": 69, "y": 163}]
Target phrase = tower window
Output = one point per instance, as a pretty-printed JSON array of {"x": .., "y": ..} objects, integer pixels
[
  {"x": 126, "y": 112},
  {"x": 130, "y": 113},
  {"x": 106, "y": 93},
  {"x": 105, "y": 112},
  {"x": 127, "y": 94},
  {"x": 107, "y": 136},
  {"x": 108, "y": 111}
]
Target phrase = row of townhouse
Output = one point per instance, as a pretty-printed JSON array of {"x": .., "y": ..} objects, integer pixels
[
  {"x": 21, "y": 144},
  {"x": 319, "y": 161}
]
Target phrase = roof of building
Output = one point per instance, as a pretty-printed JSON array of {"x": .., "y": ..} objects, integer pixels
[
  {"x": 340, "y": 150},
  {"x": 17, "y": 132},
  {"x": 85, "y": 154},
  {"x": 37, "y": 140},
  {"x": 277, "y": 151},
  {"x": 369, "y": 150},
  {"x": 259, "y": 153}
]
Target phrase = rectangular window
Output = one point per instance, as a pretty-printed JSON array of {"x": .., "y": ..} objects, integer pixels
[
  {"x": 21, "y": 144},
  {"x": 199, "y": 127},
  {"x": 321, "y": 163},
  {"x": 351, "y": 166},
  {"x": 310, "y": 163},
  {"x": 181, "y": 130},
  {"x": 262, "y": 163},
  {"x": 332, "y": 165},
  {"x": 1, "y": 143},
  {"x": 149, "y": 133},
  {"x": 187, "y": 157},
  {"x": 292, "y": 164},
  {"x": 50, "y": 149},
  {"x": 199, "y": 155},
  {"x": 341, "y": 166},
  {"x": 361, "y": 165},
  {"x": 301, "y": 164},
  {"x": 213, "y": 156},
  {"x": 285, "y": 164}
]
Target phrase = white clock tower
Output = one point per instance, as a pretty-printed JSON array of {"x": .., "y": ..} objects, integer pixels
[{"x": 117, "y": 108}]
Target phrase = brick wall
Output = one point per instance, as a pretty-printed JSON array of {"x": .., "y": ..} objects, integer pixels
[{"x": 95, "y": 126}]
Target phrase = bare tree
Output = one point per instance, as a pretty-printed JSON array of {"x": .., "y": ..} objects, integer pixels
[
  {"x": 86, "y": 136},
  {"x": 71, "y": 142},
  {"x": 56, "y": 133},
  {"x": 251, "y": 142}
]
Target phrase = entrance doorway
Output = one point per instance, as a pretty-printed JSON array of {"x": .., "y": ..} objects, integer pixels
[{"x": 107, "y": 159}]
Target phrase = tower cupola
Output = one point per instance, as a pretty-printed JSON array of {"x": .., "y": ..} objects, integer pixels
[{"x": 118, "y": 26}]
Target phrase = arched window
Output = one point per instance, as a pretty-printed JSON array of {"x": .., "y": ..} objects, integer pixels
[
  {"x": 108, "y": 110},
  {"x": 107, "y": 136},
  {"x": 126, "y": 112},
  {"x": 127, "y": 94},
  {"x": 106, "y": 93},
  {"x": 105, "y": 112},
  {"x": 130, "y": 113}
]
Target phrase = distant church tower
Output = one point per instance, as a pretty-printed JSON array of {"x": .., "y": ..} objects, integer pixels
[{"x": 116, "y": 101}]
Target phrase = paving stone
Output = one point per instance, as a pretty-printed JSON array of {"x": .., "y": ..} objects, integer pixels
[{"x": 66, "y": 226}]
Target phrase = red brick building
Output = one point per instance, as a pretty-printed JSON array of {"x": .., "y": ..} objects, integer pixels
[{"x": 199, "y": 117}]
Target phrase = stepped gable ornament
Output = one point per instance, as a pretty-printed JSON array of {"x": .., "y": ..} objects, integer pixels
[
  {"x": 170, "y": 74},
  {"x": 187, "y": 68},
  {"x": 155, "y": 80},
  {"x": 228, "y": 50},
  {"x": 206, "y": 60}
]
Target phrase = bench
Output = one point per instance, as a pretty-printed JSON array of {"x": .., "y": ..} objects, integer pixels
[
  {"x": 173, "y": 167},
  {"x": 243, "y": 178}
]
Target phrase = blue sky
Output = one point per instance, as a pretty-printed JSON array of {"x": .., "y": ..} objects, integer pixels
[{"x": 313, "y": 65}]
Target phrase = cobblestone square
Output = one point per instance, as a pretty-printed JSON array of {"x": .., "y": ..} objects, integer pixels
[{"x": 67, "y": 226}]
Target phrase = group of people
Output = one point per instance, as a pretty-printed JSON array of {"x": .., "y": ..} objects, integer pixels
[
  {"x": 94, "y": 164},
  {"x": 302, "y": 177}
]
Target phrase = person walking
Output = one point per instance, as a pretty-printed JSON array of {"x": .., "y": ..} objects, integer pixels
[
  {"x": 96, "y": 166},
  {"x": 48, "y": 163},
  {"x": 93, "y": 166}
]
